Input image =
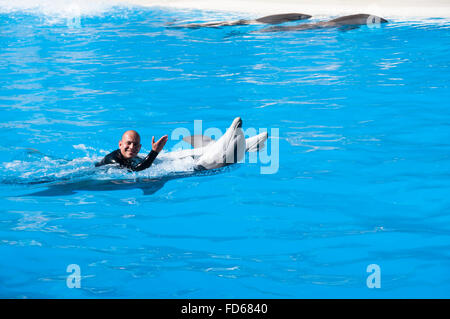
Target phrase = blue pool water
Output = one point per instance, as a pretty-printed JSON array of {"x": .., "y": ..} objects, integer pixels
[{"x": 363, "y": 175}]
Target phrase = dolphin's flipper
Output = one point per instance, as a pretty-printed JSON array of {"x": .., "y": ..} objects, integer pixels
[
  {"x": 256, "y": 143},
  {"x": 151, "y": 189},
  {"x": 198, "y": 141}
]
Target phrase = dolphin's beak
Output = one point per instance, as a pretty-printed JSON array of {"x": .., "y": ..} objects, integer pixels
[{"x": 237, "y": 123}]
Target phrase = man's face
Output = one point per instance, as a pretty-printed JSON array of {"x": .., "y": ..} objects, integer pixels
[{"x": 130, "y": 144}]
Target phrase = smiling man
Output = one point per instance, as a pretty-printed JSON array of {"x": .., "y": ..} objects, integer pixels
[{"x": 129, "y": 147}]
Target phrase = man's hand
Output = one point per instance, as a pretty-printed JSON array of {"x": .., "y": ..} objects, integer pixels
[{"x": 158, "y": 146}]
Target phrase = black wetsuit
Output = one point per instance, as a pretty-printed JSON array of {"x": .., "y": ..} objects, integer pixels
[{"x": 134, "y": 164}]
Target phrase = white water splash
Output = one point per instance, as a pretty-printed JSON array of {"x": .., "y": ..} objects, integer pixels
[
  {"x": 37, "y": 168},
  {"x": 60, "y": 8}
]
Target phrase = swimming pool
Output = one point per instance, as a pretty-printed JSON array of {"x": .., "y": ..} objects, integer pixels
[{"x": 363, "y": 173}]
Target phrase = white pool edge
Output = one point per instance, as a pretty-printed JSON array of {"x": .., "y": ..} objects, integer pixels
[{"x": 399, "y": 9}]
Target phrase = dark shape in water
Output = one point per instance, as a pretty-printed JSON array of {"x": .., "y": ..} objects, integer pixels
[
  {"x": 148, "y": 186},
  {"x": 272, "y": 19},
  {"x": 346, "y": 22}
]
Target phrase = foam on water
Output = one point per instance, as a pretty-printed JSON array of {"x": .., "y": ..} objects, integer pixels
[
  {"x": 60, "y": 8},
  {"x": 33, "y": 167}
]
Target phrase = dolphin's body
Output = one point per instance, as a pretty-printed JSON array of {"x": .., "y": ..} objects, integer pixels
[
  {"x": 272, "y": 19},
  {"x": 148, "y": 186},
  {"x": 354, "y": 20},
  {"x": 229, "y": 149}
]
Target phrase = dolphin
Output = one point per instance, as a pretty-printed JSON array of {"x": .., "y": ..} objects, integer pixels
[
  {"x": 229, "y": 149},
  {"x": 208, "y": 155},
  {"x": 351, "y": 21},
  {"x": 272, "y": 19},
  {"x": 148, "y": 186}
]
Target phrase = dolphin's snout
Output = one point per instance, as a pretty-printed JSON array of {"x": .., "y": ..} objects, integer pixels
[{"x": 237, "y": 123}]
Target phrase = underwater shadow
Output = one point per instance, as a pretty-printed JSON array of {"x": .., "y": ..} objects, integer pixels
[{"x": 149, "y": 186}]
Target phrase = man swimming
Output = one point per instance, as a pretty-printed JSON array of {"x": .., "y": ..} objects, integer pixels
[{"x": 129, "y": 147}]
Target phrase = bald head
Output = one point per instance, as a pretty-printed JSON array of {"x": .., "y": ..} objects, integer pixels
[
  {"x": 130, "y": 144},
  {"x": 131, "y": 134}
]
